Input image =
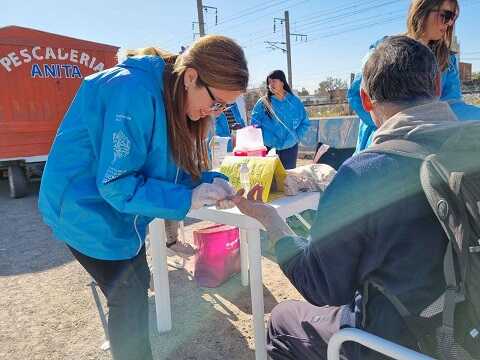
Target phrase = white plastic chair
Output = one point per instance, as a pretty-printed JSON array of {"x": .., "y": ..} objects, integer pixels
[{"x": 373, "y": 342}]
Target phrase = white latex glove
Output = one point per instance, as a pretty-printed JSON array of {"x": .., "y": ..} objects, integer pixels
[
  {"x": 225, "y": 185},
  {"x": 226, "y": 203},
  {"x": 207, "y": 194}
]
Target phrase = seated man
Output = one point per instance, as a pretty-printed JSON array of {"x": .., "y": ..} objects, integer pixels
[{"x": 373, "y": 222}]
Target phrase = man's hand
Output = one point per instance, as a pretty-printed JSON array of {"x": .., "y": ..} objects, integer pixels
[
  {"x": 266, "y": 214},
  {"x": 253, "y": 205}
]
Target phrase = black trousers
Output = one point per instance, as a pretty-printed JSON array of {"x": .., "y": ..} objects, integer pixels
[
  {"x": 125, "y": 284},
  {"x": 300, "y": 330}
]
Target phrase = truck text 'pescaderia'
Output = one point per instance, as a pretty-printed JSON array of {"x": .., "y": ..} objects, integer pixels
[{"x": 40, "y": 73}]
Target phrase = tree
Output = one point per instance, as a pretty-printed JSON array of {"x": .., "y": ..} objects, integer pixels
[
  {"x": 251, "y": 97},
  {"x": 303, "y": 92},
  {"x": 330, "y": 84},
  {"x": 476, "y": 75}
]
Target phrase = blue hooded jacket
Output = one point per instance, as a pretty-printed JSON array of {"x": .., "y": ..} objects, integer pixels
[
  {"x": 222, "y": 128},
  {"x": 110, "y": 170},
  {"x": 451, "y": 92},
  {"x": 291, "y": 112}
]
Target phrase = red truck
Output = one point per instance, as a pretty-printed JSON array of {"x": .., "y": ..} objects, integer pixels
[{"x": 40, "y": 73}]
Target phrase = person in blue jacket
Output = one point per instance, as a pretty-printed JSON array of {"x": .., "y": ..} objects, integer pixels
[
  {"x": 224, "y": 128},
  {"x": 132, "y": 148},
  {"x": 431, "y": 22},
  {"x": 282, "y": 118}
]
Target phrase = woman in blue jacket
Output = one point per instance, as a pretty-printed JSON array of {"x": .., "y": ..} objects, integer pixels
[
  {"x": 430, "y": 22},
  {"x": 224, "y": 128},
  {"x": 131, "y": 148},
  {"x": 282, "y": 118}
]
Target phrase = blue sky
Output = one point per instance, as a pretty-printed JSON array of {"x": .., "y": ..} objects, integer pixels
[{"x": 339, "y": 32}]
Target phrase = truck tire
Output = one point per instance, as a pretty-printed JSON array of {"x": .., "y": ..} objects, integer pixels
[{"x": 17, "y": 181}]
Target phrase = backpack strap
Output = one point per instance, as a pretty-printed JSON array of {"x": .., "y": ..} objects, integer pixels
[
  {"x": 402, "y": 310},
  {"x": 400, "y": 147},
  {"x": 418, "y": 326}
]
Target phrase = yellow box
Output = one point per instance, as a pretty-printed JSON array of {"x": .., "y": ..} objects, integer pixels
[{"x": 262, "y": 170}]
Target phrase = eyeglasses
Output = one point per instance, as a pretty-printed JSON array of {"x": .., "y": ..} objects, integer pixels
[
  {"x": 447, "y": 16},
  {"x": 217, "y": 106}
]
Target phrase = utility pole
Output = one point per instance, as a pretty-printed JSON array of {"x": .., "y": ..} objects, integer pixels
[
  {"x": 289, "y": 49},
  {"x": 275, "y": 44},
  {"x": 201, "y": 19},
  {"x": 201, "y": 23}
]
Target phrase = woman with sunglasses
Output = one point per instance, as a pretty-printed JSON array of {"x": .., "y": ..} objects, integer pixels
[
  {"x": 132, "y": 148},
  {"x": 431, "y": 22},
  {"x": 282, "y": 118}
]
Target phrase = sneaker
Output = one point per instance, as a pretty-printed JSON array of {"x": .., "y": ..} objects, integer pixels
[{"x": 181, "y": 249}]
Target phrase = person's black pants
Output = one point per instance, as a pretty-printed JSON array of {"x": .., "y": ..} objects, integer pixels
[
  {"x": 125, "y": 284},
  {"x": 300, "y": 330},
  {"x": 288, "y": 157}
]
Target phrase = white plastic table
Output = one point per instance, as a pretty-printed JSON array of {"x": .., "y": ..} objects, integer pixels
[{"x": 250, "y": 254}]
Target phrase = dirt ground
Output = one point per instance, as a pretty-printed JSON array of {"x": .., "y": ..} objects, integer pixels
[{"x": 47, "y": 310}]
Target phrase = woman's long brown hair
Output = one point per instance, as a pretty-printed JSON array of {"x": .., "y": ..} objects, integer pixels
[
  {"x": 417, "y": 16},
  {"x": 220, "y": 63}
]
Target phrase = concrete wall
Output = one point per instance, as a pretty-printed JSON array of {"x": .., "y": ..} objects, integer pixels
[{"x": 339, "y": 132}]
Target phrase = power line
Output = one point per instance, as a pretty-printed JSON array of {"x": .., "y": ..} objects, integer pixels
[
  {"x": 242, "y": 14},
  {"x": 357, "y": 26},
  {"x": 250, "y": 10},
  {"x": 334, "y": 19},
  {"x": 351, "y": 11},
  {"x": 268, "y": 13},
  {"x": 358, "y": 14},
  {"x": 363, "y": 26},
  {"x": 360, "y": 21},
  {"x": 320, "y": 15}
]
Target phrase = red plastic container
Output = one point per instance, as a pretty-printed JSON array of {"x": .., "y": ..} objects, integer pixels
[
  {"x": 218, "y": 254},
  {"x": 259, "y": 152}
]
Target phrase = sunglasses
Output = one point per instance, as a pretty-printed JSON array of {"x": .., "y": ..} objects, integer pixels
[
  {"x": 217, "y": 106},
  {"x": 447, "y": 16}
]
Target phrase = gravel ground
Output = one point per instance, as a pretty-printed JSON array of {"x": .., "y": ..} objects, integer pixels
[{"x": 47, "y": 310}]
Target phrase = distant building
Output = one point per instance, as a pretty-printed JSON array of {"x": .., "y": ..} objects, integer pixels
[
  {"x": 455, "y": 44},
  {"x": 465, "y": 71},
  {"x": 310, "y": 100}
]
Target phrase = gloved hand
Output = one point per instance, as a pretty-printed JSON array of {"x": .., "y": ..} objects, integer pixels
[
  {"x": 225, "y": 185},
  {"x": 225, "y": 203},
  {"x": 208, "y": 194}
]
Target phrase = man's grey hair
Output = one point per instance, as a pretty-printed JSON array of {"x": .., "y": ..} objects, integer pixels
[{"x": 400, "y": 70}]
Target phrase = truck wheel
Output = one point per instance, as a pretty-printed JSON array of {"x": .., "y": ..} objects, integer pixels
[{"x": 17, "y": 181}]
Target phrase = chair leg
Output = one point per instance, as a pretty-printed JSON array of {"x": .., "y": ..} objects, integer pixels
[{"x": 106, "y": 345}]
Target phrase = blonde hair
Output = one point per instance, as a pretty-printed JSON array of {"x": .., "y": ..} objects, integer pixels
[
  {"x": 417, "y": 16},
  {"x": 220, "y": 63}
]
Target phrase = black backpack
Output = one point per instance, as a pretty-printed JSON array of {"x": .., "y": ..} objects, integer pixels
[{"x": 449, "y": 328}]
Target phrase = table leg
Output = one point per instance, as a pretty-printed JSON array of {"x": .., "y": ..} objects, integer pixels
[
  {"x": 256, "y": 290},
  {"x": 244, "y": 257},
  {"x": 160, "y": 275}
]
